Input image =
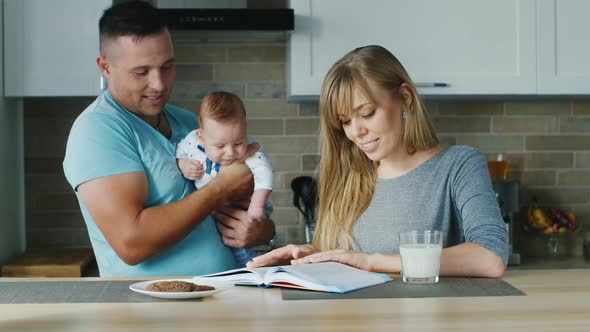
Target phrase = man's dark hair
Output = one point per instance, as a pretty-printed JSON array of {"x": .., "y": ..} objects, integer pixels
[{"x": 131, "y": 18}]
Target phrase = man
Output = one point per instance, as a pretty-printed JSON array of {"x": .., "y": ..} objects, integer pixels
[{"x": 143, "y": 217}]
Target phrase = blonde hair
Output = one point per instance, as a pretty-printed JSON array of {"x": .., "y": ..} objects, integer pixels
[
  {"x": 221, "y": 106},
  {"x": 346, "y": 175}
]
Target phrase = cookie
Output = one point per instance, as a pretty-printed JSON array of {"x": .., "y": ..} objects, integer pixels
[
  {"x": 177, "y": 286},
  {"x": 201, "y": 288},
  {"x": 170, "y": 286}
]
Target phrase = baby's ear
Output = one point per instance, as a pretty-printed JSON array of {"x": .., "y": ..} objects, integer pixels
[{"x": 199, "y": 134}]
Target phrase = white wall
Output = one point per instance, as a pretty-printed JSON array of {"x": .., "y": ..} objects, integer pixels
[{"x": 12, "y": 233}]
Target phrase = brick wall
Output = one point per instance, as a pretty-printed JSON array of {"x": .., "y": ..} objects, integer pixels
[{"x": 546, "y": 142}]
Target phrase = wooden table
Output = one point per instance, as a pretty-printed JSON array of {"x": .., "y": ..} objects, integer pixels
[{"x": 557, "y": 300}]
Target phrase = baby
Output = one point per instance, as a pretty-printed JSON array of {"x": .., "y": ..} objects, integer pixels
[{"x": 220, "y": 140}]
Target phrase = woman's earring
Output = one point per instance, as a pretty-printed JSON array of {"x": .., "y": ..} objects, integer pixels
[{"x": 404, "y": 115}]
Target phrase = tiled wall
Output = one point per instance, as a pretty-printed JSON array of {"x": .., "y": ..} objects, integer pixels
[{"x": 546, "y": 142}]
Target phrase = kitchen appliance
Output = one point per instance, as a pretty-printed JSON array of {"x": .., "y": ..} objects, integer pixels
[
  {"x": 277, "y": 19},
  {"x": 507, "y": 194},
  {"x": 305, "y": 199}
]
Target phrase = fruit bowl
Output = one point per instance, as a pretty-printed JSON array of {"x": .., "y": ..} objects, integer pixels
[
  {"x": 550, "y": 220},
  {"x": 560, "y": 245},
  {"x": 555, "y": 226},
  {"x": 557, "y": 243}
]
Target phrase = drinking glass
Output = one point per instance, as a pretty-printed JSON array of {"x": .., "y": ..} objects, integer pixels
[{"x": 420, "y": 253}]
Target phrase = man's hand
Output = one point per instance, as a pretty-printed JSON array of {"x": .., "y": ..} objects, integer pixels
[
  {"x": 236, "y": 179},
  {"x": 238, "y": 231},
  {"x": 191, "y": 169}
]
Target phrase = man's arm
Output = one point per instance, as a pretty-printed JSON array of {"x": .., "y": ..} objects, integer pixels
[{"x": 116, "y": 203}]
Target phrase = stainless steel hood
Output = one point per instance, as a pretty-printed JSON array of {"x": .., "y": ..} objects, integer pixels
[
  {"x": 221, "y": 15},
  {"x": 227, "y": 21},
  {"x": 240, "y": 19}
]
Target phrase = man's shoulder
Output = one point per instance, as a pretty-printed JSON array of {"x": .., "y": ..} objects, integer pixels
[
  {"x": 100, "y": 107},
  {"x": 102, "y": 118}
]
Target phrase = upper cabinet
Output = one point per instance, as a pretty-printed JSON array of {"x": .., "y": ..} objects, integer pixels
[
  {"x": 467, "y": 47},
  {"x": 50, "y": 47},
  {"x": 564, "y": 50},
  {"x": 471, "y": 46}
]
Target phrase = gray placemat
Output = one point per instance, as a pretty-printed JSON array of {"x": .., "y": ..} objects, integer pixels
[
  {"x": 73, "y": 292},
  {"x": 446, "y": 287}
]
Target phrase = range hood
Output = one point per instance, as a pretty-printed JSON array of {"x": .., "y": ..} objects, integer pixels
[
  {"x": 222, "y": 15},
  {"x": 227, "y": 21},
  {"x": 243, "y": 19}
]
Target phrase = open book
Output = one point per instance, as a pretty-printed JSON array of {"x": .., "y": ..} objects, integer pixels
[{"x": 325, "y": 277}]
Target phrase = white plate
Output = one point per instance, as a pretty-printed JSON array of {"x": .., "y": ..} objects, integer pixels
[{"x": 219, "y": 285}]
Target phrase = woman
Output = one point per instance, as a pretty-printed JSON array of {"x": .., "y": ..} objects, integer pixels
[{"x": 383, "y": 171}]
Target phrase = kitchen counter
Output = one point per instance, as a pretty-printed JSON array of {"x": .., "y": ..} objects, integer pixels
[
  {"x": 544, "y": 263},
  {"x": 556, "y": 300},
  {"x": 528, "y": 263}
]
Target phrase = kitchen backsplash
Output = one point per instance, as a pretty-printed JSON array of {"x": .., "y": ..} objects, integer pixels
[{"x": 546, "y": 142}]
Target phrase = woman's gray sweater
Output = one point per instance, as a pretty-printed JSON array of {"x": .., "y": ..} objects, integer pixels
[{"x": 451, "y": 192}]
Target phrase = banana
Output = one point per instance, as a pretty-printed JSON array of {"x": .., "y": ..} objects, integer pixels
[
  {"x": 541, "y": 218},
  {"x": 537, "y": 217}
]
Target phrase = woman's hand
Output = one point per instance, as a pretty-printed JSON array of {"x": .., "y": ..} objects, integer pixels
[
  {"x": 360, "y": 260},
  {"x": 283, "y": 256}
]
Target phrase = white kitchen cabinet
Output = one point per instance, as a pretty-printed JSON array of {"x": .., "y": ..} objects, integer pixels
[
  {"x": 564, "y": 50},
  {"x": 50, "y": 47},
  {"x": 12, "y": 220},
  {"x": 474, "y": 46}
]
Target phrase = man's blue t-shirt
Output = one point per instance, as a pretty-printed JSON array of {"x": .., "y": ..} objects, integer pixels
[{"x": 108, "y": 140}]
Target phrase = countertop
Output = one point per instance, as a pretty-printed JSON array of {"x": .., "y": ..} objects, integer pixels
[
  {"x": 556, "y": 300},
  {"x": 528, "y": 263},
  {"x": 549, "y": 263}
]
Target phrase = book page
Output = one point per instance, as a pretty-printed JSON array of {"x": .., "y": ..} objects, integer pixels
[
  {"x": 250, "y": 276},
  {"x": 328, "y": 276}
]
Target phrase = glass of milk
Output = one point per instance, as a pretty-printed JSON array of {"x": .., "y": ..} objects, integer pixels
[{"x": 420, "y": 252}]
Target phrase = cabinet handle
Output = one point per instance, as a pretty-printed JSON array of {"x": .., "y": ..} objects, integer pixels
[
  {"x": 103, "y": 83},
  {"x": 431, "y": 85}
]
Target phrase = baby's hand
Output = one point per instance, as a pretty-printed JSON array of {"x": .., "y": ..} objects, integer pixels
[
  {"x": 191, "y": 169},
  {"x": 256, "y": 213}
]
